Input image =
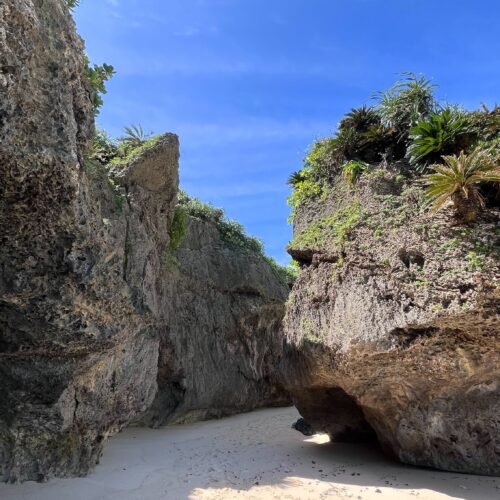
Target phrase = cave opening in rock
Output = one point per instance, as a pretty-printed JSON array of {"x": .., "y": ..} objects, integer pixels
[{"x": 333, "y": 411}]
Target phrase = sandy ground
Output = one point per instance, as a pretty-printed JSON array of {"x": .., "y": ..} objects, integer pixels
[{"x": 257, "y": 456}]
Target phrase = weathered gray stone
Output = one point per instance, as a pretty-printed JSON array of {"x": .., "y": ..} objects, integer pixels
[
  {"x": 223, "y": 330},
  {"x": 395, "y": 331},
  {"x": 77, "y": 296},
  {"x": 89, "y": 310}
]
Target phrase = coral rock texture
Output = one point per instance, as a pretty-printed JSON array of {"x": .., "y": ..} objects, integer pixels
[
  {"x": 90, "y": 319},
  {"x": 223, "y": 338},
  {"x": 393, "y": 328}
]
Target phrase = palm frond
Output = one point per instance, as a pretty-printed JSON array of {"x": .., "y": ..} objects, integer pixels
[
  {"x": 458, "y": 177},
  {"x": 134, "y": 136}
]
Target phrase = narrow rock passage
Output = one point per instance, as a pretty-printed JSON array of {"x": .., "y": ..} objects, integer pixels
[{"x": 256, "y": 455}]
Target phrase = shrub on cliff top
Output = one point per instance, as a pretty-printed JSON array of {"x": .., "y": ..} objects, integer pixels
[
  {"x": 406, "y": 103},
  {"x": 305, "y": 188},
  {"x": 360, "y": 119},
  {"x": 232, "y": 233},
  {"x": 408, "y": 126},
  {"x": 445, "y": 133},
  {"x": 127, "y": 153},
  {"x": 486, "y": 123}
]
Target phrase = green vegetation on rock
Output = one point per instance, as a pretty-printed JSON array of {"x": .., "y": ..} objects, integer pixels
[
  {"x": 134, "y": 136},
  {"x": 332, "y": 229},
  {"x": 406, "y": 103},
  {"x": 178, "y": 228},
  {"x": 444, "y": 133},
  {"x": 72, "y": 4},
  {"x": 97, "y": 75},
  {"x": 232, "y": 233},
  {"x": 127, "y": 153},
  {"x": 458, "y": 180},
  {"x": 409, "y": 130},
  {"x": 352, "y": 170}
]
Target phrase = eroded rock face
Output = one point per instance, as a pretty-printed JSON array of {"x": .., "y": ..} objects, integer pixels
[
  {"x": 223, "y": 334},
  {"x": 79, "y": 273},
  {"x": 393, "y": 329},
  {"x": 91, "y": 313}
]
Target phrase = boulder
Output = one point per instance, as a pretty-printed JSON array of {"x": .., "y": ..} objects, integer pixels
[{"x": 393, "y": 327}]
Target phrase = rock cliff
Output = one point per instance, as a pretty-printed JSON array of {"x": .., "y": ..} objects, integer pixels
[
  {"x": 223, "y": 336},
  {"x": 392, "y": 326},
  {"x": 87, "y": 309},
  {"x": 77, "y": 296}
]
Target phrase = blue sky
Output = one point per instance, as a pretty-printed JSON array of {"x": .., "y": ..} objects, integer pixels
[{"x": 249, "y": 84}]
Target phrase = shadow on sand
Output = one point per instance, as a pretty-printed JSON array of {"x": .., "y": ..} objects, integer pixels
[{"x": 255, "y": 455}]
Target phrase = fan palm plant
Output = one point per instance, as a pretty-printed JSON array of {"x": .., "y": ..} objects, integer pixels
[
  {"x": 458, "y": 180},
  {"x": 360, "y": 119},
  {"x": 134, "y": 136},
  {"x": 296, "y": 177},
  {"x": 73, "y": 4}
]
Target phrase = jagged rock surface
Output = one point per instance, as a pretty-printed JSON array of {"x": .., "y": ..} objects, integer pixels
[
  {"x": 394, "y": 332},
  {"x": 77, "y": 291},
  {"x": 223, "y": 337},
  {"x": 88, "y": 311}
]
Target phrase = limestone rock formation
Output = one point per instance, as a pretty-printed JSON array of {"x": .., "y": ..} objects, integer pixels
[
  {"x": 223, "y": 336},
  {"x": 77, "y": 294},
  {"x": 393, "y": 328},
  {"x": 88, "y": 311}
]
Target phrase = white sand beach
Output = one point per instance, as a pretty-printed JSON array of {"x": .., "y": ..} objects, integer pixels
[{"x": 252, "y": 456}]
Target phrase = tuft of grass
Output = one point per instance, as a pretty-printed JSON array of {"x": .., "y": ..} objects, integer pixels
[
  {"x": 475, "y": 261},
  {"x": 406, "y": 103}
]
